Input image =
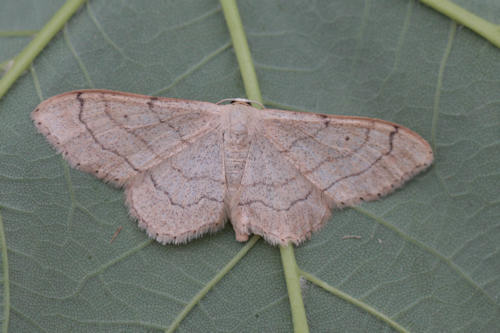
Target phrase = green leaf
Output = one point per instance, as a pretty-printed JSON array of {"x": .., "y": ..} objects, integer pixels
[{"x": 429, "y": 256}]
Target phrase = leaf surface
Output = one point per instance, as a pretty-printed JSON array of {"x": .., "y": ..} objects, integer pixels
[{"x": 429, "y": 254}]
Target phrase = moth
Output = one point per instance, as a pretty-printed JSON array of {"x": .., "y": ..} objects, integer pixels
[{"x": 189, "y": 166}]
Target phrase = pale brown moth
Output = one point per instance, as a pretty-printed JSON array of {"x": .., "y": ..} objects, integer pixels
[{"x": 189, "y": 166}]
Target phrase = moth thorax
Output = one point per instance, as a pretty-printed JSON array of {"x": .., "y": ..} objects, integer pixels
[{"x": 236, "y": 145}]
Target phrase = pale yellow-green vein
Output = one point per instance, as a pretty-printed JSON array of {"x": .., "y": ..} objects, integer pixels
[
  {"x": 488, "y": 30},
  {"x": 197, "y": 298},
  {"x": 193, "y": 68},
  {"x": 348, "y": 298},
  {"x": 18, "y": 33},
  {"x": 24, "y": 59},
  {"x": 240, "y": 45},
  {"x": 5, "y": 278},
  {"x": 78, "y": 59},
  {"x": 439, "y": 84}
]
